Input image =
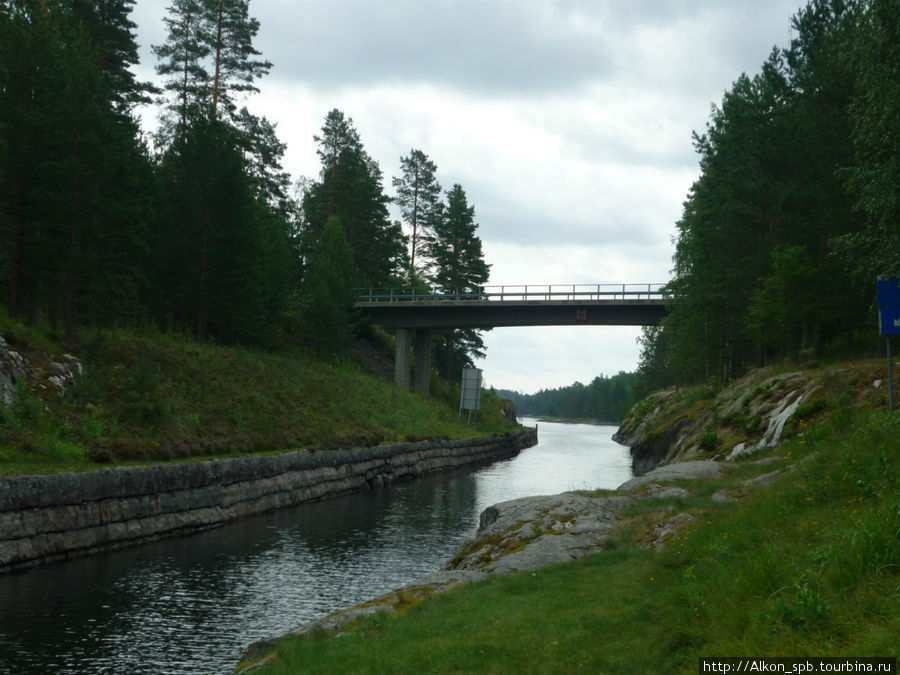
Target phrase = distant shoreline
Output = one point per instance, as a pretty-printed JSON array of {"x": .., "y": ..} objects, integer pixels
[{"x": 572, "y": 420}]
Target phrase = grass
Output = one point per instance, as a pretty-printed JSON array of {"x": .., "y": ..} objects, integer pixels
[
  {"x": 154, "y": 397},
  {"x": 809, "y": 566}
]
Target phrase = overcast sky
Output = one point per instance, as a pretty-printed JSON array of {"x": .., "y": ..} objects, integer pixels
[{"x": 567, "y": 122}]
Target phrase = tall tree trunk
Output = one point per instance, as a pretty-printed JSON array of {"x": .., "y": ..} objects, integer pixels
[
  {"x": 216, "y": 79},
  {"x": 101, "y": 60},
  {"x": 415, "y": 227},
  {"x": 202, "y": 304},
  {"x": 451, "y": 362},
  {"x": 184, "y": 87},
  {"x": 817, "y": 339},
  {"x": 15, "y": 277},
  {"x": 72, "y": 259},
  {"x": 18, "y": 217}
]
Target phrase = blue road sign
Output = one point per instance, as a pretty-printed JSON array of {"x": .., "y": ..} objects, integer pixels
[
  {"x": 889, "y": 320},
  {"x": 889, "y": 305}
]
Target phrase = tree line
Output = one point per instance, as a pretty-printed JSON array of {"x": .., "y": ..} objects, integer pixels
[
  {"x": 605, "y": 399},
  {"x": 795, "y": 212},
  {"x": 204, "y": 232}
]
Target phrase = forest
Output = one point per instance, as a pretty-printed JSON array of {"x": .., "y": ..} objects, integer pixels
[
  {"x": 200, "y": 231},
  {"x": 795, "y": 213},
  {"x": 605, "y": 399}
]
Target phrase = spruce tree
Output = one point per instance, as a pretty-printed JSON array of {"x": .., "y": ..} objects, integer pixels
[
  {"x": 457, "y": 263},
  {"x": 456, "y": 260},
  {"x": 874, "y": 55},
  {"x": 328, "y": 292},
  {"x": 112, "y": 32},
  {"x": 350, "y": 187},
  {"x": 225, "y": 248},
  {"x": 754, "y": 276},
  {"x": 224, "y": 261}
]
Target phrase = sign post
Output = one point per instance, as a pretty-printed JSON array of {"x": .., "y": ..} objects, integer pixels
[
  {"x": 889, "y": 323},
  {"x": 470, "y": 396}
]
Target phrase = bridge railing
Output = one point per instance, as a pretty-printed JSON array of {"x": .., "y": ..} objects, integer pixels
[{"x": 517, "y": 293}]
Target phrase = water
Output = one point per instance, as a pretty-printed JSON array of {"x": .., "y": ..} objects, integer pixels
[{"x": 192, "y": 604}]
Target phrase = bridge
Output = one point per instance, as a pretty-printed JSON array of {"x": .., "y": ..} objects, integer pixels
[{"x": 499, "y": 306}]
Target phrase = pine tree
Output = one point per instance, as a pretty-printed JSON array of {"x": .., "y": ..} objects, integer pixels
[
  {"x": 182, "y": 59},
  {"x": 419, "y": 198},
  {"x": 230, "y": 33},
  {"x": 208, "y": 58}
]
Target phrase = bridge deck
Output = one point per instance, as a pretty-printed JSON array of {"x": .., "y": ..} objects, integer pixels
[{"x": 499, "y": 306}]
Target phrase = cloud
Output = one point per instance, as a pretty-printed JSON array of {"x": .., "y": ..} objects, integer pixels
[
  {"x": 507, "y": 47},
  {"x": 529, "y": 262},
  {"x": 491, "y": 47}
]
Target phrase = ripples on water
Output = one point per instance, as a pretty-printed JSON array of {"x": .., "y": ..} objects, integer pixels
[{"x": 192, "y": 604}]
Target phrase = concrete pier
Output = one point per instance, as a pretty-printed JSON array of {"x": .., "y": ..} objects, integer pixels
[
  {"x": 402, "y": 358},
  {"x": 423, "y": 362}
]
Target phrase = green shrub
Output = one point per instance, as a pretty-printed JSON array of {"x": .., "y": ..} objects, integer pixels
[
  {"x": 808, "y": 409},
  {"x": 805, "y": 610},
  {"x": 754, "y": 424}
]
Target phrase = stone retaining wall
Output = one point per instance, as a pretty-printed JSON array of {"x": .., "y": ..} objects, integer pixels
[{"x": 50, "y": 517}]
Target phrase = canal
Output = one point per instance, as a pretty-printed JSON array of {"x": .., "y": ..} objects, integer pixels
[{"x": 192, "y": 604}]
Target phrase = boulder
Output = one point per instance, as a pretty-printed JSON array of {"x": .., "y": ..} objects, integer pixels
[
  {"x": 532, "y": 532},
  {"x": 681, "y": 471}
]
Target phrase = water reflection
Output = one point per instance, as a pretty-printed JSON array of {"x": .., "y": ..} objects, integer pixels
[{"x": 191, "y": 604}]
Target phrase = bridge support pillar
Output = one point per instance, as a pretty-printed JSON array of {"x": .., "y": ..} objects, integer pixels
[
  {"x": 423, "y": 362},
  {"x": 402, "y": 364}
]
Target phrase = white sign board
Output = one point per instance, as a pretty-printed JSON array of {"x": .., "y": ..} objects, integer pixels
[{"x": 470, "y": 396}]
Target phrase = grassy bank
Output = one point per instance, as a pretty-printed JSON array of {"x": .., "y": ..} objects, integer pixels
[
  {"x": 153, "y": 397},
  {"x": 808, "y": 565}
]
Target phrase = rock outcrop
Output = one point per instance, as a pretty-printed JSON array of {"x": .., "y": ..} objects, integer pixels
[
  {"x": 754, "y": 412},
  {"x": 508, "y": 409},
  {"x": 51, "y": 375},
  {"x": 681, "y": 471},
  {"x": 533, "y": 532},
  {"x": 649, "y": 452},
  {"x": 12, "y": 370}
]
